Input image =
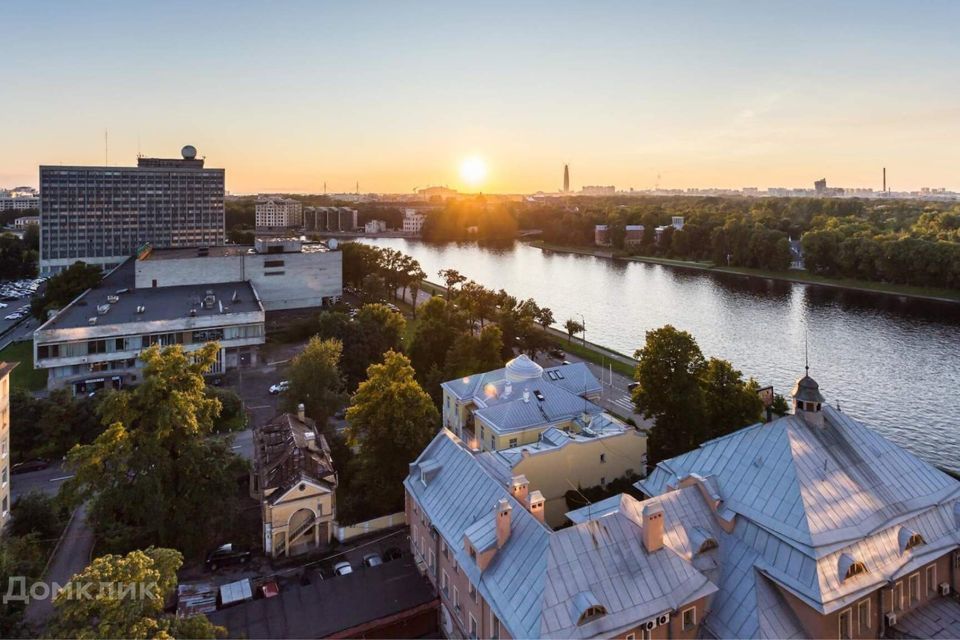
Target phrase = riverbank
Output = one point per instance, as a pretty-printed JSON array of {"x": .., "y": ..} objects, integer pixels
[{"x": 903, "y": 291}]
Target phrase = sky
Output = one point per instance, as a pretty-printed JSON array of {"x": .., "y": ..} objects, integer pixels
[{"x": 287, "y": 96}]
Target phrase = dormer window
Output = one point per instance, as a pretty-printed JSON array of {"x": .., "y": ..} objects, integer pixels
[
  {"x": 909, "y": 539},
  {"x": 592, "y": 613},
  {"x": 848, "y": 567},
  {"x": 855, "y": 569}
]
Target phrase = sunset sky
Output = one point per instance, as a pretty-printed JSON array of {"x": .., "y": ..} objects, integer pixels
[{"x": 396, "y": 95}]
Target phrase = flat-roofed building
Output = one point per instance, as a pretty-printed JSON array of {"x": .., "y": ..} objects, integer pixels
[
  {"x": 329, "y": 219},
  {"x": 23, "y": 222},
  {"x": 413, "y": 221},
  {"x": 276, "y": 212},
  {"x": 94, "y": 342},
  {"x": 286, "y": 272},
  {"x": 102, "y": 215},
  {"x": 10, "y": 202}
]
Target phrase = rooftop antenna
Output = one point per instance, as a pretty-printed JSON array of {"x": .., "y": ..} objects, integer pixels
[
  {"x": 139, "y": 155},
  {"x": 106, "y": 149}
]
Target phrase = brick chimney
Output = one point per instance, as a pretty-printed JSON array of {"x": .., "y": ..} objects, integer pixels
[
  {"x": 652, "y": 527},
  {"x": 535, "y": 504},
  {"x": 302, "y": 413},
  {"x": 520, "y": 488},
  {"x": 503, "y": 521}
]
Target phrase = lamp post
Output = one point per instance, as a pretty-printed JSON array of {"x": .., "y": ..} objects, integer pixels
[{"x": 583, "y": 324}]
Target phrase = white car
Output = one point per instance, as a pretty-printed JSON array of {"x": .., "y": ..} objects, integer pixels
[
  {"x": 342, "y": 568},
  {"x": 3, "y": 305},
  {"x": 280, "y": 387},
  {"x": 12, "y": 316}
]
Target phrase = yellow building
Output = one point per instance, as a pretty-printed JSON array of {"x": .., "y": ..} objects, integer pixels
[
  {"x": 294, "y": 479},
  {"x": 512, "y": 406},
  {"x": 5, "y": 369},
  {"x": 598, "y": 453}
]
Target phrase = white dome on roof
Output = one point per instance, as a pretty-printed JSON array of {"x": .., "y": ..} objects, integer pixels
[{"x": 523, "y": 368}]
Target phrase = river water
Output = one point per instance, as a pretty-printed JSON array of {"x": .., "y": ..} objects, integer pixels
[{"x": 890, "y": 362}]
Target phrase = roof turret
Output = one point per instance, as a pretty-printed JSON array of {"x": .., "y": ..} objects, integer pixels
[{"x": 522, "y": 368}]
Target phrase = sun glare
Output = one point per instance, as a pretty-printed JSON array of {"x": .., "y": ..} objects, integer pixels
[{"x": 473, "y": 170}]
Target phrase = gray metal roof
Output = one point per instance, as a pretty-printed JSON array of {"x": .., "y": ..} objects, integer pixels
[
  {"x": 534, "y": 581},
  {"x": 805, "y": 495}
]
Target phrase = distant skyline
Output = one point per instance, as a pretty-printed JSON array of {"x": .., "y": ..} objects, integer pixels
[{"x": 395, "y": 96}]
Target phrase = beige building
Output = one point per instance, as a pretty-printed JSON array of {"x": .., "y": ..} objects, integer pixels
[
  {"x": 5, "y": 369},
  {"x": 606, "y": 449},
  {"x": 509, "y": 407},
  {"x": 294, "y": 479},
  {"x": 276, "y": 212}
]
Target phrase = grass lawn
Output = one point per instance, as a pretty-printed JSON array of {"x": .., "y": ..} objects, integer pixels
[
  {"x": 594, "y": 356},
  {"x": 24, "y": 375}
]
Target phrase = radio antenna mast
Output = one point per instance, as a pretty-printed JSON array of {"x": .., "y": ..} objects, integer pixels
[{"x": 106, "y": 149}]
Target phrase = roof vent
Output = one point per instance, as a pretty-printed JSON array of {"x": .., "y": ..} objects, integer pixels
[
  {"x": 102, "y": 309},
  {"x": 92, "y": 321},
  {"x": 538, "y": 394},
  {"x": 113, "y": 299},
  {"x": 193, "y": 313},
  {"x": 141, "y": 308}
]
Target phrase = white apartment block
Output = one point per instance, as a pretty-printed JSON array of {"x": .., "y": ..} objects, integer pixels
[
  {"x": 274, "y": 212},
  {"x": 413, "y": 221}
]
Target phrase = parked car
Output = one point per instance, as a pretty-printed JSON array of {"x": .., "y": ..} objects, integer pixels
[
  {"x": 372, "y": 560},
  {"x": 342, "y": 568},
  {"x": 225, "y": 555},
  {"x": 558, "y": 354},
  {"x": 632, "y": 386},
  {"x": 565, "y": 362},
  {"x": 280, "y": 387},
  {"x": 393, "y": 308},
  {"x": 30, "y": 465}
]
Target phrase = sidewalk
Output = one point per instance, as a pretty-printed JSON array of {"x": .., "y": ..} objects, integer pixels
[{"x": 71, "y": 556}]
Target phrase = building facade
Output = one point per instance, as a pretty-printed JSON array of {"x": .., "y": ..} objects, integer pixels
[
  {"x": 95, "y": 341},
  {"x": 286, "y": 272},
  {"x": 294, "y": 481},
  {"x": 375, "y": 226},
  {"x": 275, "y": 212},
  {"x": 23, "y": 222},
  {"x": 102, "y": 215},
  {"x": 329, "y": 219},
  {"x": 601, "y": 235},
  {"x": 5, "y": 471},
  {"x": 413, "y": 221},
  {"x": 18, "y": 203}
]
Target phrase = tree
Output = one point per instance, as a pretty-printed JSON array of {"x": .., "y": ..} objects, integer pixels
[
  {"x": 17, "y": 258},
  {"x": 36, "y": 513},
  {"x": 668, "y": 371},
  {"x": 31, "y": 237},
  {"x": 315, "y": 380},
  {"x": 573, "y": 327},
  {"x": 152, "y": 475},
  {"x": 391, "y": 419},
  {"x": 545, "y": 318},
  {"x": 438, "y": 326},
  {"x": 469, "y": 354},
  {"x": 451, "y": 278},
  {"x": 730, "y": 403},
  {"x": 64, "y": 287},
  {"x": 48, "y": 427},
  {"x": 117, "y": 607}
]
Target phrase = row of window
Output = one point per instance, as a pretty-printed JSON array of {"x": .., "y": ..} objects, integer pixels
[
  {"x": 901, "y": 600},
  {"x": 135, "y": 343}
]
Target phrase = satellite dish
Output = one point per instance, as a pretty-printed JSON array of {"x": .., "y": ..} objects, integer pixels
[
  {"x": 189, "y": 152},
  {"x": 333, "y": 243}
]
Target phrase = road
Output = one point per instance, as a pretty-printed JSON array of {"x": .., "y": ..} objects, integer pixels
[{"x": 46, "y": 481}]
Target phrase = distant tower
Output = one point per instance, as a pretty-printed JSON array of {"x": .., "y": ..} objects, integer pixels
[
  {"x": 566, "y": 178},
  {"x": 884, "y": 179}
]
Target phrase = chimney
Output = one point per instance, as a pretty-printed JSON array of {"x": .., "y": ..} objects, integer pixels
[
  {"x": 526, "y": 395},
  {"x": 507, "y": 389},
  {"x": 503, "y": 521},
  {"x": 535, "y": 504},
  {"x": 520, "y": 488},
  {"x": 302, "y": 413},
  {"x": 652, "y": 527}
]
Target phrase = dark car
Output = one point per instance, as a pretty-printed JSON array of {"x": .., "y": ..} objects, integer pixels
[
  {"x": 30, "y": 465},
  {"x": 558, "y": 354},
  {"x": 393, "y": 553},
  {"x": 632, "y": 386},
  {"x": 226, "y": 555}
]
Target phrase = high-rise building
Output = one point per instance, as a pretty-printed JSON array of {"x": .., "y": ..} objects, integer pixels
[
  {"x": 566, "y": 178},
  {"x": 5, "y": 369},
  {"x": 101, "y": 215}
]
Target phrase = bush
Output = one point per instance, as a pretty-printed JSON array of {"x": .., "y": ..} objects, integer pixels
[
  {"x": 232, "y": 416},
  {"x": 37, "y": 513}
]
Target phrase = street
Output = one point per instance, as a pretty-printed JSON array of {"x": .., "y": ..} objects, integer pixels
[{"x": 46, "y": 481}]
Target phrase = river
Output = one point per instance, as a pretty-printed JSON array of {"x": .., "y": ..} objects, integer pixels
[{"x": 890, "y": 362}]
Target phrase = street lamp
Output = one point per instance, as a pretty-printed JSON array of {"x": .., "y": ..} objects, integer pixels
[{"x": 583, "y": 324}]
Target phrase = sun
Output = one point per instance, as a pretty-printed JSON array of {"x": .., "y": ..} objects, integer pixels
[{"x": 473, "y": 170}]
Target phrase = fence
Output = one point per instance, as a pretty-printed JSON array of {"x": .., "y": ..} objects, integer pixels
[{"x": 370, "y": 526}]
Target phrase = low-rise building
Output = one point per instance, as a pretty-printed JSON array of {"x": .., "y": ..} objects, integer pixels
[
  {"x": 12, "y": 202},
  {"x": 811, "y": 525},
  {"x": 95, "y": 341},
  {"x": 5, "y": 369},
  {"x": 23, "y": 222},
  {"x": 293, "y": 479},
  {"x": 277, "y": 212},
  {"x": 633, "y": 234},
  {"x": 512, "y": 406},
  {"x": 599, "y": 452},
  {"x": 413, "y": 221},
  {"x": 329, "y": 219},
  {"x": 286, "y": 272},
  {"x": 601, "y": 235},
  {"x": 375, "y": 226}
]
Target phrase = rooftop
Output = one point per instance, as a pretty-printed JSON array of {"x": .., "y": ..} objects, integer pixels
[
  {"x": 289, "y": 450},
  {"x": 220, "y": 251},
  {"x": 158, "y": 304}
]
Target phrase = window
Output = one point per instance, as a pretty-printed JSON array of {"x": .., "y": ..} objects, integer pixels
[
  {"x": 272, "y": 263},
  {"x": 603, "y": 458},
  {"x": 898, "y": 596},
  {"x": 689, "y": 618},
  {"x": 274, "y": 273},
  {"x": 603, "y": 481},
  {"x": 456, "y": 599},
  {"x": 931, "y": 578},
  {"x": 513, "y": 442},
  {"x": 473, "y": 626},
  {"x": 592, "y": 613},
  {"x": 493, "y": 442},
  {"x": 432, "y": 559},
  {"x": 844, "y": 624},
  {"x": 914, "y": 585},
  {"x": 494, "y": 627},
  {"x": 630, "y": 636},
  {"x": 445, "y": 584},
  {"x": 863, "y": 616}
]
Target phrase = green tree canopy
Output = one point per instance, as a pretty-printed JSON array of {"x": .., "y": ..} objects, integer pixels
[
  {"x": 112, "y": 609},
  {"x": 391, "y": 419},
  {"x": 315, "y": 380},
  {"x": 62, "y": 288},
  {"x": 151, "y": 476}
]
